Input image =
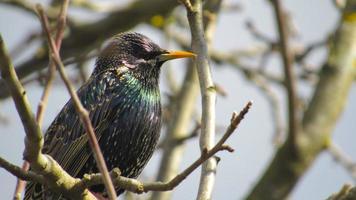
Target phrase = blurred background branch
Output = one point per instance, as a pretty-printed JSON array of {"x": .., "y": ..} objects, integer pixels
[
  {"x": 320, "y": 117},
  {"x": 83, "y": 37}
]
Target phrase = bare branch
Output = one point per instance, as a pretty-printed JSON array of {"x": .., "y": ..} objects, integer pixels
[
  {"x": 85, "y": 37},
  {"x": 301, "y": 55},
  {"x": 208, "y": 93},
  {"x": 56, "y": 177},
  {"x": 259, "y": 35},
  {"x": 34, "y": 135},
  {"x": 136, "y": 186},
  {"x": 320, "y": 117},
  {"x": 20, "y": 185},
  {"x": 178, "y": 141},
  {"x": 82, "y": 112},
  {"x": 263, "y": 84},
  {"x": 342, "y": 158},
  {"x": 188, "y": 5},
  {"x": 20, "y": 173},
  {"x": 51, "y": 71},
  {"x": 347, "y": 192},
  {"x": 290, "y": 80},
  {"x": 183, "y": 107},
  {"x": 233, "y": 59}
]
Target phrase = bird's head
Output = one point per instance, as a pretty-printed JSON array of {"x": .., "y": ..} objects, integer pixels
[{"x": 136, "y": 53}]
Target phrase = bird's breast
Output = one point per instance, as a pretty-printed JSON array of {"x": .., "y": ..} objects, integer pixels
[{"x": 135, "y": 129}]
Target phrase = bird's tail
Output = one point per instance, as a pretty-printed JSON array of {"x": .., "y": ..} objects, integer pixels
[
  {"x": 33, "y": 191},
  {"x": 36, "y": 191}
]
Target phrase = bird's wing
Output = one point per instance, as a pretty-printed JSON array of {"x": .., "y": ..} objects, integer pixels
[{"x": 66, "y": 140}]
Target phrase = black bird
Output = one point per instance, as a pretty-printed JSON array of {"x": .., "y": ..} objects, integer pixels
[{"x": 123, "y": 99}]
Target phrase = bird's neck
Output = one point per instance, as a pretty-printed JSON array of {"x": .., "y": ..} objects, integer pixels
[{"x": 147, "y": 86}]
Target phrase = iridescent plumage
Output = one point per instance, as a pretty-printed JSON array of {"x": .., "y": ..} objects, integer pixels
[{"x": 123, "y": 100}]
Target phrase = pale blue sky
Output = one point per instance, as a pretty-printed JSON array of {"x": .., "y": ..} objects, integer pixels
[{"x": 236, "y": 172}]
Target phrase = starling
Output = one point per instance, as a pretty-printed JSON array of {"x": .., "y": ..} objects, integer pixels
[{"x": 123, "y": 100}]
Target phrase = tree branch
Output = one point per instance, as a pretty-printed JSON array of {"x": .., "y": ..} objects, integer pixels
[
  {"x": 275, "y": 106},
  {"x": 327, "y": 103},
  {"x": 290, "y": 80},
  {"x": 20, "y": 173},
  {"x": 136, "y": 186},
  {"x": 184, "y": 106},
  {"x": 82, "y": 112},
  {"x": 207, "y": 88},
  {"x": 342, "y": 158},
  {"x": 56, "y": 177},
  {"x": 347, "y": 192},
  {"x": 183, "y": 109},
  {"x": 20, "y": 185},
  {"x": 84, "y": 37}
]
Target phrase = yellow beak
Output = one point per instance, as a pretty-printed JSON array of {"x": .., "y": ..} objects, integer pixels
[{"x": 175, "y": 54}]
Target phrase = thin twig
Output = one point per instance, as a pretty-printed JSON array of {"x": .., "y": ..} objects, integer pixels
[
  {"x": 182, "y": 109},
  {"x": 276, "y": 112},
  {"x": 19, "y": 172},
  {"x": 136, "y": 186},
  {"x": 342, "y": 158},
  {"x": 290, "y": 80},
  {"x": 208, "y": 93},
  {"x": 325, "y": 107},
  {"x": 76, "y": 44},
  {"x": 232, "y": 58},
  {"x": 260, "y": 77},
  {"x": 61, "y": 178},
  {"x": 33, "y": 132},
  {"x": 56, "y": 177},
  {"x": 181, "y": 140},
  {"x": 347, "y": 192},
  {"x": 51, "y": 72},
  {"x": 250, "y": 26},
  {"x": 82, "y": 112},
  {"x": 82, "y": 73},
  {"x": 20, "y": 185},
  {"x": 194, "y": 133},
  {"x": 188, "y": 5},
  {"x": 306, "y": 51}
]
